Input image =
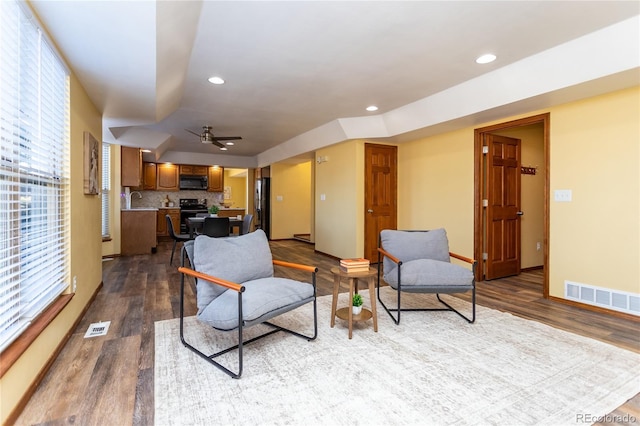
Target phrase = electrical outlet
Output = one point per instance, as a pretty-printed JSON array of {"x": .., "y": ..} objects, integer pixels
[
  {"x": 75, "y": 284},
  {"x": 538, "y": 246}
]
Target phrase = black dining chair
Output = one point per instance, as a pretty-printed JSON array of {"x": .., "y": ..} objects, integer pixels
[
  {"x": 216, "y": 226},
  {"x": 175, "y": 237}
]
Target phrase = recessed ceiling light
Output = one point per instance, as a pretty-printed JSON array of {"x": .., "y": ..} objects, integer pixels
[
  {"x": 223, "y": 148},
  {"x": 216, "y": 80},
  {"x": 485, "y": 59},
  {"x": 230, "y": 143},
  {"x": 372, "y": 108}
]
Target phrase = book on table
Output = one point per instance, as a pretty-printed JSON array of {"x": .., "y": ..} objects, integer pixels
[
  {"x": 354, "y": 265},
  {"x": 354, "y": 269},
  {"x": 354, "y": 262}
]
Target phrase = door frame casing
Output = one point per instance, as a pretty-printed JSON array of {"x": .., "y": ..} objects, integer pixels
[{"x": 479, "y": 177}]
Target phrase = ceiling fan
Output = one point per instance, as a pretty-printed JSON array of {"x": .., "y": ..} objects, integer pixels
[{"x": 208, "y": 137}]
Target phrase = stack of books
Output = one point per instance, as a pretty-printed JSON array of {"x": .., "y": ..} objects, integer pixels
[{"x": 354, "y": 265}]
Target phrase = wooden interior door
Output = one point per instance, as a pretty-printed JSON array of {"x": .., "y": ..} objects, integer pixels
[
  {"x": 380, "y": 194},
  {"x": 503, "y": 207}
]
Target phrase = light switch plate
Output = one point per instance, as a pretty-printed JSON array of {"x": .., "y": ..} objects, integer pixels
[{"x": 562, "y": 195}]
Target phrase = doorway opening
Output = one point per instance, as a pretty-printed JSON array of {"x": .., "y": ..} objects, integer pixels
[{"x": 481, "y": 135}]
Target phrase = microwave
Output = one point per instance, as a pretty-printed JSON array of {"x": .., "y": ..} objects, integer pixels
[{"x": 193, "y": 182}]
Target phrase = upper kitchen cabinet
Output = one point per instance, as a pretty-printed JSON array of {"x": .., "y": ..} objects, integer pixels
[
  {"x": 149, "y": 176},
  {"x": 216, "y": 179},
  {"x": 168, "y": 177},
  {"x": 131, "y": 166},
  {"x": 186, "y": 169}
]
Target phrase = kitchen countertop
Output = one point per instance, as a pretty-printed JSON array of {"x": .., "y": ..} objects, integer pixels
[{"x": 140, "y": 209}]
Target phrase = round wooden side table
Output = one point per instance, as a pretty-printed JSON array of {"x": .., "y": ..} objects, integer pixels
[{"x": 347, "y": 313}]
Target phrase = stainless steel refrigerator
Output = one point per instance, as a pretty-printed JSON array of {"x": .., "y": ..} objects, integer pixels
[{"x": 263, "y": 209}]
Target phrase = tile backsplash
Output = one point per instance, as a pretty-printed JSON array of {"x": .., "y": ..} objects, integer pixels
[{"x": 155, "y": 198}]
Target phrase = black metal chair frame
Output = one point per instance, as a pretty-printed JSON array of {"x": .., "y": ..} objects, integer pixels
[
  {"x": 239, "y": 288},
  {"x": 398, "y": 309},
  {"x": 174, "y": 237}
]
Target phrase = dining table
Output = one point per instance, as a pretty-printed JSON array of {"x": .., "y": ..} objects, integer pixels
[{"x": 196, "y": 223}]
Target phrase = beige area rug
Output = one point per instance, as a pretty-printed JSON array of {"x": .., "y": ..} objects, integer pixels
[{"x": 432, "y": 369}]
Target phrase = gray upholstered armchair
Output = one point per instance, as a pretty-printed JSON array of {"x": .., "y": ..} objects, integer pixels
[
  {"x": 236, "y": 289},
  {"x": 419, "y": 262}
]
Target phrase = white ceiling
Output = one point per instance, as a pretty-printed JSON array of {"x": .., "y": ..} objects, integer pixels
[{"x": 300, "y": 74}]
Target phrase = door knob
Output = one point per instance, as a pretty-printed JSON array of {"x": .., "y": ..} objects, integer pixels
[
  {"x": 369, "y": 211},
  {"x": 519, "y": 213}
]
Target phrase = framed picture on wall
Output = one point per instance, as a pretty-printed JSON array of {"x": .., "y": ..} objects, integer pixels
[{"x": 91, "y": 164}]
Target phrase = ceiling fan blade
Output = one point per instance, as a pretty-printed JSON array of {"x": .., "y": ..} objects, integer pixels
[
  {"x": 218, "y": 144},
  {"x": 227, "y": 138},
  {"x": 193, "y": 133}
]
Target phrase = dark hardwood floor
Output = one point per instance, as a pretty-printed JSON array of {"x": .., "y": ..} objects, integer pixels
[{"x": 109, "y": 380}]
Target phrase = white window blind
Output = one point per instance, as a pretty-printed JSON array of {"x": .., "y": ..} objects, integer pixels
[
  {"x": 34, "y": 172},
  {"x": 106, "y": 189}
]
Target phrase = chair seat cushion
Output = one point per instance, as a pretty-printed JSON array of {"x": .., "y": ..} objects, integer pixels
[
  {"x": 424, "y": 274},
  {"x": 262, "y": 300}
]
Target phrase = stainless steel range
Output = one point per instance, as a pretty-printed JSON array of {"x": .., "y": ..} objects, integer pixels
[{"x": 189, "y": 207}]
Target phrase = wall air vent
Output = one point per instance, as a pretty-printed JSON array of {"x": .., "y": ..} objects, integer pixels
[{"x": 616, "y": 300}]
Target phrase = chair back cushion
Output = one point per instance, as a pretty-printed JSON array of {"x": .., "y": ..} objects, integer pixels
[
  {"x": 412, "y": 245},
  {"x": 237, "y": 259}
]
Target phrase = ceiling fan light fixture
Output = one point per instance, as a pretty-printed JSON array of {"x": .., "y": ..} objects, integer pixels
[
  {"x": 216, "y": 80},
  {"x": 230, "y": 143},
  {"x": 485, "y": 59},
  {"x": 223, "y": 148}
]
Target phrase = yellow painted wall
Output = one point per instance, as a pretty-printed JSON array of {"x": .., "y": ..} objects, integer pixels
[
  {"x": 595, "y": 152},
  {"x": 339, "y": 218},
  {"x": 238, "y": 185},
  {"x": 532, "y": 192},
  {"x": 86, "y": 262},
  {"x": 292, "y": 214},
  {"x": 435, "y": 187},
  {"x": 595, "y": 239}
]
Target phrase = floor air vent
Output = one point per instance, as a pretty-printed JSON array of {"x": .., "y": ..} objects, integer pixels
[{"x": 597, "y": 296}]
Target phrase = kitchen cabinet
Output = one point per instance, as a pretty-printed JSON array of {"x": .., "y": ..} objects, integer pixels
[
  {"x": 231, "y": 212},
  {"x": 149, "y": 176},
  {"x": 131, "y": 166},
  {"x": 161, "y": 225},
  {"x": 186, "y": 169},
  {"x": 216, "y": 179},
  {"x": 167, "y": 177},
  {"x": 138, "y": 231}
]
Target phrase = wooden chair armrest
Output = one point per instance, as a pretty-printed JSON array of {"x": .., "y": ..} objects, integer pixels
[
  {"x": 306, "y": 268},
  {"x": 224, "y": 283},
  {"x": 464, "y": 259},
  {"x": 389, "y": 255}
]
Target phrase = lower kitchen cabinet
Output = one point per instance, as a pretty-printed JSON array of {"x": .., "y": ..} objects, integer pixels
[
  {"x": 138, "y": 232},
  {"x": 161, "y": 227}
]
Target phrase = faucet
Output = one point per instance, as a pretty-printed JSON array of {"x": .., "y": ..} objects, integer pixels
[{"x": 127, "y": 195}]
